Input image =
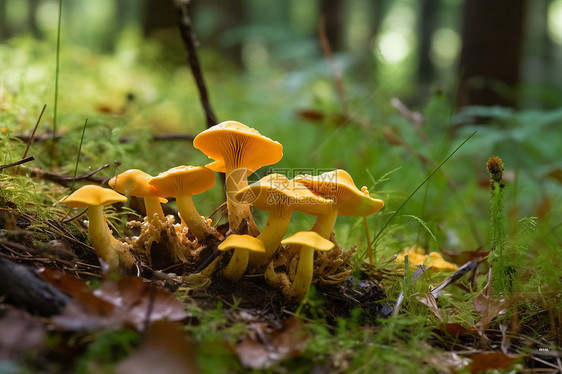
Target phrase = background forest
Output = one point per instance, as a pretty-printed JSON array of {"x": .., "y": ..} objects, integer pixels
[{"x": 387, "y": 90}]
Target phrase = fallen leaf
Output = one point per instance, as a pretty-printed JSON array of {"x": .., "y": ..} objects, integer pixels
[
  {"x": 454, "y": 329},
  {"x": 484, "y": 361},
  {"x": 274, "y": 346},
  {"x": 429, "y": 300},
  {"x": 165, "y": 349},
  {"x": 487, "y": 306},
  {"x": 21, "y": 333},
  {"x": 466, "y": 256},
  {"x": 310, "y": 115},
  {"x": 555, "y": 174},
  {"x": 128, "y": 301}
]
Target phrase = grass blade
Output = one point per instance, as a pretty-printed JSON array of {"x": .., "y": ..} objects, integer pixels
[{"x": 413, "y": 192}]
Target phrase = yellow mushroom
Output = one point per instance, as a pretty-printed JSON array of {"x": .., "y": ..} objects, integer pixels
[
  {"x": 348, "y": 200},
  {"x": 416, "y": 257},
  {"x": 280, "y": 197},
  {"x": 308, "y": 241},
  {"x": 238, "y": 152},
  {"x": 113, "y": 252},
  {"x": 242, "y": 245},
  {"x": 183, "y": 182},
  {"x": 134, "y": 182}
]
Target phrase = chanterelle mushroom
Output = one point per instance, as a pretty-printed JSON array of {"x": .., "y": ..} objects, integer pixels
[
  {"x": 348, "y": 199},
  {"x": 134, "y": 182},
  {"x": 308, "y": 241},
  {"x": 238, "y": 152},
  {"x": 242, "y": 245},
  {"x": 280, "y": 197},
  {"x": 113, "y": 252},
  {"x": 183, "y": 182}
]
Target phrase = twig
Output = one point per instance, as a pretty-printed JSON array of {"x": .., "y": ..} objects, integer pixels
[
  {"x": 414, "y": 117},
  {"x": 124, "y": 139},
  {"x": 16, "y": 163},
  {"x": 63, "y": 179},
  {"x": 160, "y": 137},
  {"x": 30, "y": 141},
  {"x": 455, "y": 277},
  {"x": 188, "y": 37}
]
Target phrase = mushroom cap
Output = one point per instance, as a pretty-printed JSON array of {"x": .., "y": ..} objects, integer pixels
[
  {"x": 133, "y": 182},
  {"x": 92, "y": 195},
  {"x": 235, "y": 145},
  {"x": 275, "y": 190},
  {"x": 183, "y": 180},
  {"x": 339, "y": 186},
  {"x": 217, "y": 166},
  {"x": 242, "y": 241},
  {"x": 309, "y": 239}
]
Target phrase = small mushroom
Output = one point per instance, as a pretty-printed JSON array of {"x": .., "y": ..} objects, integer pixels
[
  {"x": 238, "y": 152},
  {"x": 308, "y": 241},
  {"x": 113, "y": 252},
  {"x": 183, "y": 182},
  {"x": 242, "y": 245},
  {"x": 348, "y": 199},
  {"x": 280, "y": 197},
  {"x": 417, "y": 257},
  {"x": 134, "y": 182}
]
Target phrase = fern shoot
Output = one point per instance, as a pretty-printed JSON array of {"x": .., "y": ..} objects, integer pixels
[{"x": 500, "y": 259}]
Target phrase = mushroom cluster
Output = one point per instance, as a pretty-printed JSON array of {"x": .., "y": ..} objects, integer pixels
[{"x": 237, "y": 151}]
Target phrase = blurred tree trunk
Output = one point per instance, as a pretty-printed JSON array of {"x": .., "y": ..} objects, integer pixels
[
  {"x": 229, "y": 15},
  {"x": 426, "y": 27},
  {"x": 333, "y": 12},
  {"x": 32, "y": 6},
  {"x": 158, "y": 14},
  {"x": 491, "y": 52},
  {"x": 4, "y": 27}
]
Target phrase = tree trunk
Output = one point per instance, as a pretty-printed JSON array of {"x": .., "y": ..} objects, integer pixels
[
  {"x": 4, "y": 27},
  {"x": 333, "y": 13},
  {"x": 426, "y": 27},
  {"x": 491, "y": 53}
]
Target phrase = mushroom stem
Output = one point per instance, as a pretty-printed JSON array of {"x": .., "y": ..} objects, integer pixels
[
  {"x": 271, "y": 235},
  {"x": 325, "y": 224},
  {"x": 192, "y": 218},
  {"x": 235, "y": 180},
  {"x": 114, "y": 253},
  {"x": 237, "y": 264},
  {"x": 303, "y": 276},
  {"x": 153, "y": 206}
]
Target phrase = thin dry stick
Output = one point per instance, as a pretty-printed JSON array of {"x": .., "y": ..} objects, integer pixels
[
  {"x": 63, "y": 179},
  {"x": 325, "y": 43},
  {"x": 16, "y": 163},
  {"x": 124, "y": 139},
  {"x": 189, "y": 40},
  {"x": 30, "y": 140}
]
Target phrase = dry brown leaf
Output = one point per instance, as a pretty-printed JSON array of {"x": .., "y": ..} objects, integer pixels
[
  {"x": 274, "y": 346},
  {"x": 491, "y": 360},
  {"x": 429, "y": 300},
  {"x": 454, "y": 329},
  {"x": 128, "y": 301},
  {"x": 487, "y": 306},
  {"x": 165, "y": 349}
]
